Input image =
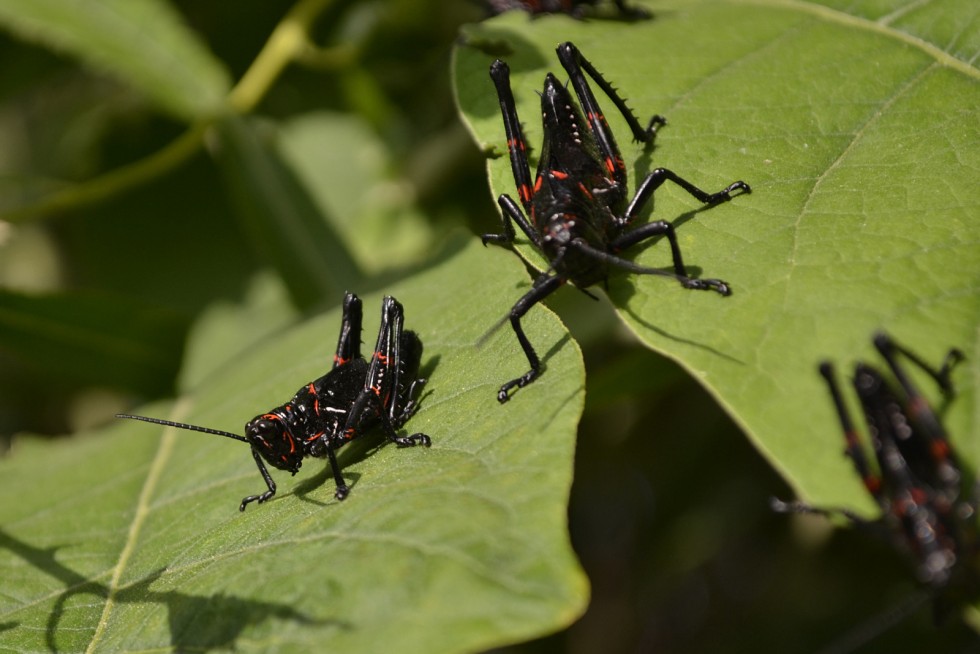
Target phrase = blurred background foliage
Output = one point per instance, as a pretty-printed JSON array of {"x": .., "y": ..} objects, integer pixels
[{"x": 120, "y": 222}]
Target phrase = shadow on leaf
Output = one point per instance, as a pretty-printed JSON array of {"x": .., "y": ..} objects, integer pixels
[{"x": 197, "y": 622}]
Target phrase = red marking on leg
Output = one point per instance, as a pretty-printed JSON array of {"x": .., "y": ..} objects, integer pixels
[
  {"x": 873, "y": 484},
  {"x": 525, "y": 192},
  {"x": 918, "y": 495}
]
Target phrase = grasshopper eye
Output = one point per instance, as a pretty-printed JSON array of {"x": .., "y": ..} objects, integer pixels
[{"x": 262, "y": 431}]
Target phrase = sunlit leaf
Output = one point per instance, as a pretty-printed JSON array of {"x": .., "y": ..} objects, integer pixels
[
  {"x": 131, "y": 539},
  {"x": 859, "y": 137}
]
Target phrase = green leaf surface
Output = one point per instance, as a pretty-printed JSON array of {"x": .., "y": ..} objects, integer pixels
[
  {"x": 858, "y": 133},
  {"x": 145, "y": 43},
  {"x": 131, "y": 539}
]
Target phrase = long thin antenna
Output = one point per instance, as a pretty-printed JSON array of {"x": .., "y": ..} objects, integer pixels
[
  {"x": 625, "y": 264},
  {"x": 182, "y": 425},
  {"x": 490, "y": 332}
]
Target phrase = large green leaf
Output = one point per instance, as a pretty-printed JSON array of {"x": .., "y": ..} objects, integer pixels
[
  {"x": 143, "y": 42},
  {"x": 859, "y": 137},
  {"x": 132, "y": 540}
]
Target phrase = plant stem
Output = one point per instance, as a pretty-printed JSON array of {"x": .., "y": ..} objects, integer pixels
[
  {"x": 114, "y": 182},
  {"x": 287, "y": 43}
]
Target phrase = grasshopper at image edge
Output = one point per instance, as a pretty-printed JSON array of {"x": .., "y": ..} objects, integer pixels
[{"x": 927, "y": 495}]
